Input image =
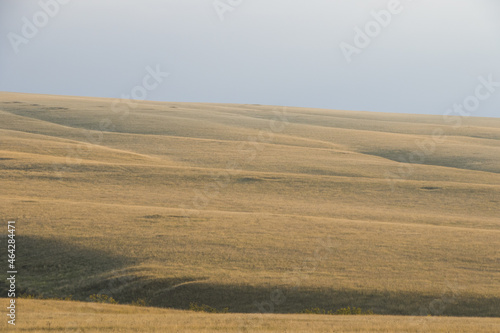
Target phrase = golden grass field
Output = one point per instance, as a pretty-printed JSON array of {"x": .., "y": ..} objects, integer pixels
[
  {"x": 47, "y": 316},
  {"x": 253, "y": 208}
]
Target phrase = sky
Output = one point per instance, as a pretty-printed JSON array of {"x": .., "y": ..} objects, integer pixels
[{"x": 404, "y": 56}]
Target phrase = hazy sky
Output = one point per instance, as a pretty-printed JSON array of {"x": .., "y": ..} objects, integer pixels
[{"x": 395, "y": 56}]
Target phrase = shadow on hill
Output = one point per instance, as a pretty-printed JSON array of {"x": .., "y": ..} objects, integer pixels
[
  {"x": 56, "y": 268},
  {"x": 250, "y": 299},
  {"x": 459, "y": 161}
]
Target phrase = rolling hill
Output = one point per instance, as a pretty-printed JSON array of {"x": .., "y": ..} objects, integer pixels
[{"x": 259, "y": 209}]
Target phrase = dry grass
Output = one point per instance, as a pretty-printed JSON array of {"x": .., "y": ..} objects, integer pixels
[
  {"x": 48, "y": 316},
  {"x": 152, "y": 209}
]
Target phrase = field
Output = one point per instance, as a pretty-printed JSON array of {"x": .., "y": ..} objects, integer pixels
[
  {"x": 44, "y": 316},
  {"x": 257, "y": 209}
]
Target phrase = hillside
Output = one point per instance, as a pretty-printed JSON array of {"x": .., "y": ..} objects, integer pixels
[
  {"x": 255, "y": 208},
  {"x": 44, "y": 315}
]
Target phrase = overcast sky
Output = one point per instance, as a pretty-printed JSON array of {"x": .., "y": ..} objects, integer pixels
[{"x": 420, "y": 56}]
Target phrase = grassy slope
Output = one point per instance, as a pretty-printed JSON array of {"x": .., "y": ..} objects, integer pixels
[
  {"x": 307, "y": 218},
  {"x": 42, "y": 315}
]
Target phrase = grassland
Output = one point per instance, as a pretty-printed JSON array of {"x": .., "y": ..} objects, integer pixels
[
  {"x": 48, "y": 316},
  {"x": 253, "y": 208}
]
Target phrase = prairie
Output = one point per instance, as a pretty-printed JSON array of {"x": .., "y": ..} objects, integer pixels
[
  {"x": 45, "y": 315},
  {"x": 259, "y": 209}
]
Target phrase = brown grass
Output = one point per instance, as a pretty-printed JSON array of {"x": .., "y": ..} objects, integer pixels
[
  {"x": 307, "y": 218},
  {"x": 48, "y": 316}
]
